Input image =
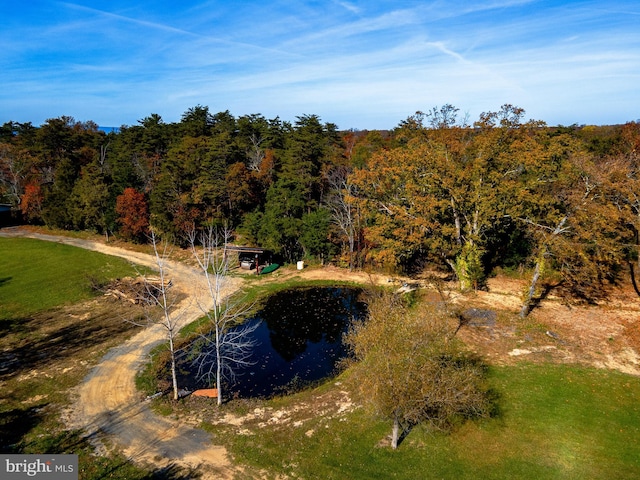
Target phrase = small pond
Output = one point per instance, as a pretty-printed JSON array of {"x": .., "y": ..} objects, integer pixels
[{"x": 298, "y": 340}]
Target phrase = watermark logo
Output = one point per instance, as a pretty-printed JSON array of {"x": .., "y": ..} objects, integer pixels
[{"x": 46, "y": 467}]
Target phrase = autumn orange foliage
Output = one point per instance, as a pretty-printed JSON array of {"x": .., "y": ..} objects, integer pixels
[{"x": 133, "y": 213}]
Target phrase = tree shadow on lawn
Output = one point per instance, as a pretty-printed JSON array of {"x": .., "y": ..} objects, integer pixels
[
  {"x": 33, "y": 343},
  {"x": 13, "y": 325},
  {"x": 170, "y": 472},
  {"x": 14, "y": 424},
  {"x": 491, "y": 407},
  {"x": 173, "y": 472}
]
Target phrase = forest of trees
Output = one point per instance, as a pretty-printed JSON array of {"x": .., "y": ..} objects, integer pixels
[{"x": 562, "y": 203}]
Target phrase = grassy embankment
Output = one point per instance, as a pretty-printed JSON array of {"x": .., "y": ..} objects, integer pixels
[
  {"x": 54, "y": 328},
  {"x": 554, "y": 421}
]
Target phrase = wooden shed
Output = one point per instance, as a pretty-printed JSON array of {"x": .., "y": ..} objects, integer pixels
[{"x": 250, "y": 258}]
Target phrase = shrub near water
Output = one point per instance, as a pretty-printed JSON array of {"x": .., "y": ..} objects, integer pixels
[
  {"x": 410, "y": 369},
  {"x": 555, "y": 422}
]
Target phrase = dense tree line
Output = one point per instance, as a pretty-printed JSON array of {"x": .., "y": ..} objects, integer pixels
[
  {"x": 561, "y": 202},
  {"x": 176, "y": 176},
  {"x": 503, "y": 193}
]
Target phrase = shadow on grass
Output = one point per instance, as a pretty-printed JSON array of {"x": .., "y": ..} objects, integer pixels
[
  {"x": 14, "y": 325},
  {"x": 405, "y": 433},
  {"x": 17, "y": 435},
  {"x": 170, "y": 472},
  {"x": 485, "y": 404},
  {"x": 14, "y": 424},
  {"x": 68, "y": 340}
]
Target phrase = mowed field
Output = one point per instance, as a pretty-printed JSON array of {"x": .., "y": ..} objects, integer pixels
[
  {"x": 54, "y": 327},
  {"x": 551, "y": 421}
]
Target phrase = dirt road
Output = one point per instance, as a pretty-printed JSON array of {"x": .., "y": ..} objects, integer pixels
[{"x": 108, "y": 407}]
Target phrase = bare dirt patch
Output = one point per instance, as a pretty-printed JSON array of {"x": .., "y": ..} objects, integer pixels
[
  {"x": 253, "y": 415},
  {"x": 606, "y": 335},
  {"x": 108, "y": 407}
]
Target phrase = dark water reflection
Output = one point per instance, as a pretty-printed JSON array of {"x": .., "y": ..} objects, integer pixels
[{"x": 299, "y": 339}]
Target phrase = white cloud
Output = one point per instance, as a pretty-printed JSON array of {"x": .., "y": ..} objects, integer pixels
[
  {"x": 350, "y": 61},
  {"x": 348, "y": 6}
]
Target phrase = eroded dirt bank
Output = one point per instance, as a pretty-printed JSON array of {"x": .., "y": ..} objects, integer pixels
[{"x": 108, "y": 407}]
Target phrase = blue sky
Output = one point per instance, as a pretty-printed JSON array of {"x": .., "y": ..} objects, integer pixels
[{"x": 364, "y": 64}]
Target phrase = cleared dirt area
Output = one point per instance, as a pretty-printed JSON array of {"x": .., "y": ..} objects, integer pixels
[
  {"x": 109, "y": 409},
  {"x": 606, "y": 335},
  {"x": 107, "y": 405}
]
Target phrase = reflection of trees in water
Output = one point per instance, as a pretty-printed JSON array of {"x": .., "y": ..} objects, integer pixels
[
  {"x": 298, "y": 340},
  {"x": 298, "y": 316}
]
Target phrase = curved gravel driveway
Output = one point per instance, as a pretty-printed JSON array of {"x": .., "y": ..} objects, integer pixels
[{"x": 107, "y": 405}]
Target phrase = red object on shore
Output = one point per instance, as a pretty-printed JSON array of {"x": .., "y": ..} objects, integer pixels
[{"x": 206, "y": 392}]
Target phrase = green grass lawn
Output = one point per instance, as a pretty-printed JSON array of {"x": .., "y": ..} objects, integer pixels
[
  {"x": 49, "y": 339},
  {"x": 36, "y": 275},
  {"x": 554, "y": 422}
]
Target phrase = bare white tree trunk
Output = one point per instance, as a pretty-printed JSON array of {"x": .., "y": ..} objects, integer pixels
[
  {"x": 13, "y": 171},
  {"x": 174, "y": 376},
  {"x": 226, "y": 345},
  {"x": 157, "y": 295},
  {"x": 456, "y": 219},
  {"x": 344, "y": 211},
  {"x": 169, "y": 322},
  {"x": 526, "y": 304},
  {"x": 395, "y": 432},
  {"x": 256, "y": 154}
]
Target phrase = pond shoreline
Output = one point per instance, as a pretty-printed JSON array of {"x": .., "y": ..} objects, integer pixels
[{"x": 298, "y": 335}]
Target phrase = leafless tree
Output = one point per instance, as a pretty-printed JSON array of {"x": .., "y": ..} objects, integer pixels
[
  {"x": 226, "y": 345},
  {"x": 102, "y": 161},
  {"x": 157, "y": 294},
  {"x": 14, "y": 167},
  {"x": 255, "y": 154},
  {"x": 344, "y": 210}
]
